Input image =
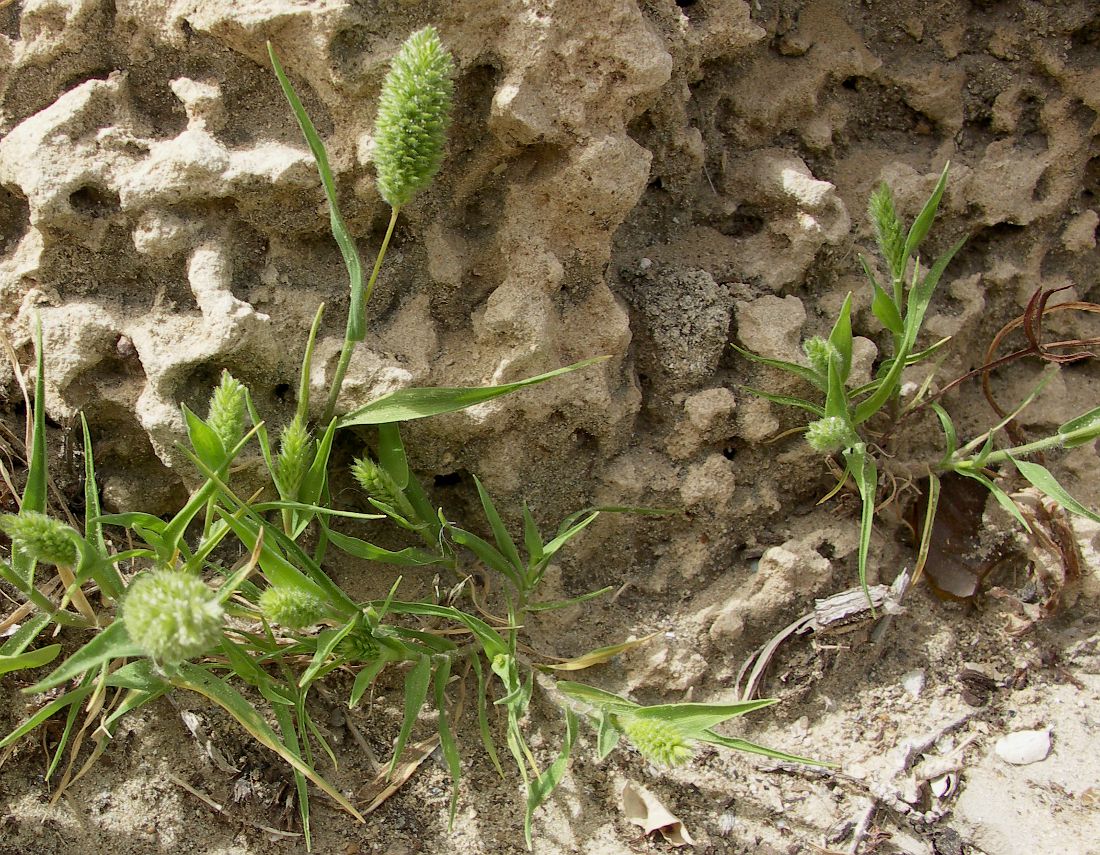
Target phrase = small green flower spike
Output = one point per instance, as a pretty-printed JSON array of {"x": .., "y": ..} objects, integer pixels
[
  {"x": 291, "y": 607},
  {"x": 658, "y": 741},
  {"x": 413, "y": 114},
  {"x": 226, "y": 416},
  {"x": 41, "y": 537},
  {"x": 830, "y": 434},
  {"x": 819, "y": 351},
  {"x": 172, "y": 615},
  {"x": 294, "y": 456}
]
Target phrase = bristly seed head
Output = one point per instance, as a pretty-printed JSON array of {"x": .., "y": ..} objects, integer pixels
[
  {"x": 413, "y": 114},
  {"x": 888, "y": 230},
  {"x": 657, "y": 740},
  {"x": 294, "y": 457},
  {"x": 359, "y": 645},
  {"x": 226, "y": 417},
  {"x": 291, "y": 607},
  {"x": 172, "y": 615},
  {"x": 830, "y": 434},
  {"x": 376, "y": 482},
  {"x": 819, "y": 352},
  {"x": 41, "y": 537}
]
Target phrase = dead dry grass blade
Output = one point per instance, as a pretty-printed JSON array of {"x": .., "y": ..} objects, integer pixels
[
  {"x": 47, "y": 590},
  {"x": 383, "y": 785}
]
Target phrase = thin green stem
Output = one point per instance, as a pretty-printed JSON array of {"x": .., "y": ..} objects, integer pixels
[
  {"x": 349, "y": 342},
  {"x": 1026, "y": 449}
]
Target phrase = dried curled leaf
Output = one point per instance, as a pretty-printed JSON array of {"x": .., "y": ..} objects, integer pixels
[{"x": 644, "y": 809}]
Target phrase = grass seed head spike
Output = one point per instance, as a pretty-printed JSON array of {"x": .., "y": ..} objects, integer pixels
[
  {"x": 226, "y": 417},
  {"x": 413, "y": 114},
  {"x": 172, "y": 615},
  {"x": 41, "y": 537},
  {"x": 374, "y": 480},
  {"x": 359, "y": 645},
  {"x": 294, "y": 456},
  {"x": 819, "y": 351},
  {"x": 888, "y": 229},
  {"x": 657, "y": 740},
  {"x": 291, "y": 607},
  {"x": 830, "y": 434}
]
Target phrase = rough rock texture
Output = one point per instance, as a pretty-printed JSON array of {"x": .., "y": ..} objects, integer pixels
[
  {"x": 609, "y": 189},
  {"x": 645, "y": 179}
]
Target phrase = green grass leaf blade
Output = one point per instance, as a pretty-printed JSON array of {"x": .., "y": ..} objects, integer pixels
[
  {"x": 931, "y": 505},
  {"x": 313, "y": 483},
  {"x": 486, "y": 552},
  {"x": 133, "y": 700},
  {"x": 67, "y": 731},
  {"x": 607, "y": 735},
  {"x": 483, "y": 715},
  {"x": 693, "y": 719},
  {"x": 923, "y": 222},
  {"x": 285, "y": 719},
  {"x": 416, "y": 692},
  {"x": 836, "y": 400},
  {"x": 568, "y": 533},
  {"x": 882, "y": 305},
  {"x": 408, "y": 404},
  {"x": 597, "y": 698},
  {"x": 349, "y": 252},
  {"x": 1003, "y": 499},
  {"x": 364, "y": 679},
  {"x": 391, "y": 454},
  {"x": 752, "y": 748},
  {"x": 532, "y": 538},
  {"x": 950, "y": 434},
  {"x": 802, "y": 371},
  {"x": 491, "y": 641},
  {"x": 561, "y": 604},
  {"x": 50, "y": 709},
  {"x": 841, "y": 338},
  {"x": 111, "y": 643},
  {"x": 865, "y": 473},
  {"x": 204, "y": 441},
  {"x": 201, "y": 681},
  {"x": 446, "y": 737},
  {"x": 30, "y": 659},
  {"x": 326, "y": 644},
  {"x": 273, "y": 563},
  {"x": 787, "y": 401},
  {"x": 21, "y": 639},
  {"x": 407, "y": 557},
  {"x": 504, "y": 541},
  {"x": 1042, "y": 479},
  {"x": 34, "y": 494},
  {"x": 93, "y": 529},
  {"x": 139, "y": 675},
  {"x": 539, "y": 790},
  {"x": 1083, "y": 429}
]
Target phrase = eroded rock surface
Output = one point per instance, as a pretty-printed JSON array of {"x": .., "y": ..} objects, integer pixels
[{"x": 638, "y": 178}]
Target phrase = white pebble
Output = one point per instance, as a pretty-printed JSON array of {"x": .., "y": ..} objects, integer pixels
[
  {"x": 913, "y": 683},
  {"x": 1024, "y": 746}
]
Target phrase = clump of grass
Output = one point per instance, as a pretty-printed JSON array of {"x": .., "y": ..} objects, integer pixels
[
  {"x": 860, "y": 424},
  {"x": 167, "y": 629}
]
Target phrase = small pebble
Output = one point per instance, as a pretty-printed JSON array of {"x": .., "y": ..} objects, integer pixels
[
  {"x": 913, "y": 683},
  {"x": 1024, "y": 746}
]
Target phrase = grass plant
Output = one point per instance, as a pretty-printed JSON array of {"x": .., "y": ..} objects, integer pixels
[
  {"x": 254, "y": 638},
  {"x": 861, "y": 423}
]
